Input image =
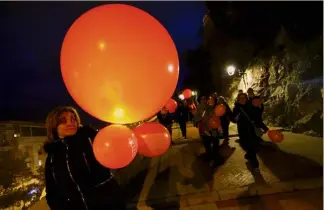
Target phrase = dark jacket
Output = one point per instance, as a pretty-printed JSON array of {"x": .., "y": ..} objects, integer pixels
[
  {"x": 256, "y": 111},
  {"x": 256, "y": 114},
  {"x": 182, "y": 112},
  {"x": 227, "y": 117},
  {"x": 75, "y": 179},
  {"x": 165, "y": 119},
  {"x": 245, "y": 127}
]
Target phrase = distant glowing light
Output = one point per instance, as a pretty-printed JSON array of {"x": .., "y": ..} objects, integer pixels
[
  {"x": 181, "y": 97},
  {"x": 193, "y": 93},
  {"x": 231, "y": 70}
]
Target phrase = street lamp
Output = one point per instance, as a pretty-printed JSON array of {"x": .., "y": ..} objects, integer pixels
[
  {"x": 231, "y": 70},
  {"x": 181, "y": 97}
]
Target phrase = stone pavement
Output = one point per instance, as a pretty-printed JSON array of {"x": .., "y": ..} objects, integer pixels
[
  {"x": 181, "y": 179},
  {"x": 301, "y": 200}
]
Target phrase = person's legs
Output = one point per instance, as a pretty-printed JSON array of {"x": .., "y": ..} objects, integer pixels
[
  {"x": 218, "y": 159},
  {"x": 169, "y": 128},
  {"x": 183, "y": 128},
  {"x": 208, "y": 146},
  {"x": 225, "y": 126},
  {"x": 251, "y": 147}
]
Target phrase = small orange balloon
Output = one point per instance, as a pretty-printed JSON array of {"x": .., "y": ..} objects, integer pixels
[
  {"x": 256, "y": 102},
  {"x": 214, "y": 122},
  {"x": 187, "y": 93},
  {"x": 171, "y": 105},
  {"x": 275, "y": 136},
  {"x": 153, "y": 139},
  {"x": 112, "y": 60},
  {"x": 220, "y": 110},
  {"x": 115, "y": 146}
]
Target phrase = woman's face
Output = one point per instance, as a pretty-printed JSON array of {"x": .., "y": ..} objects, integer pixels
[
  {"x": 68, "y": 125},
  {"x": 203, "y": 100},
  {"x": 242, "y": 99},
  {"x": 211, "y": 101},
  {"x": 221, "y": 101},
  {"x": 250, "y": 93}
]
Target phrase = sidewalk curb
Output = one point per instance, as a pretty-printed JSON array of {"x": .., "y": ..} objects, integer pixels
[{"x": 234, "y": 193}]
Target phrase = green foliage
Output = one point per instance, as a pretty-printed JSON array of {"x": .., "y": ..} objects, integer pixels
[
  {"x": 11, "y": 198},
  {"x": 12, "y": 165}
]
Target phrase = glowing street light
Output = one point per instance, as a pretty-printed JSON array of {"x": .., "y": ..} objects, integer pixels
[
  {"x": 231, "y": 70},
  {"x": 181, "y": 97}
]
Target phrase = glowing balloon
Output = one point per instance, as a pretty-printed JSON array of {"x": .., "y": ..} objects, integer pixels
[
  {"x": 171, "y": 105},
  {"x": 256, "y": 102},
  {"x": 153, "y": 139},
  {"x": 214, "y": 122},
  {"x": 115, "y": 146},
  {"x": 187, "y": 93},
  {"x": 275, "y": 136},
  {"x": 119, "y": 63},
  {"x": 220, "y": 110}
]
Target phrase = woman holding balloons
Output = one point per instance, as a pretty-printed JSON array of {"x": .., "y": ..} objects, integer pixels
[
  {"x": 208, "y": 129},
  {"x": 74, "y": 178}
]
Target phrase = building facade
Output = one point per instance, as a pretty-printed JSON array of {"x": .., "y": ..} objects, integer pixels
[{"x": 29, "y": 137}]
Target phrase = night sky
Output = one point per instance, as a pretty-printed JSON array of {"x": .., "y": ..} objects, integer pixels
[{"x": 31, "y": 38}]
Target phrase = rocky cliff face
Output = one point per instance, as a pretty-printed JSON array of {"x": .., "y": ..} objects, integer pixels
[
  {"x": 291, "y": 85},
  {"x": 286, "y": 71}
]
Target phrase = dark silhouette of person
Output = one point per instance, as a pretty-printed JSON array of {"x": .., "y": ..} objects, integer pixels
[
  {"x": 226, "y": 118},
  {"x": 246, "y": 129},
  {"x": 166, "y": 119},
  {"x": 256, "y": 112},
  {"x": 182, "y": 117}
]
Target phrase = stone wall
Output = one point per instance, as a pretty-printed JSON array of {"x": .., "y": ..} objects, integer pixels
[{"x": 291, "y": 85}]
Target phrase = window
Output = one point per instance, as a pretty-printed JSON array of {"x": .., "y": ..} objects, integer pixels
[
  {"x": 25, "y": 131},
  {"x": 39, "y": 131}
]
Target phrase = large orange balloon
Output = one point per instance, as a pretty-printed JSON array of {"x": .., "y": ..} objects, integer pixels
[
  {"x": 115, "y": 146},
  {"x": 119, "y": 63},
  {"x": 153, "y": 139}
]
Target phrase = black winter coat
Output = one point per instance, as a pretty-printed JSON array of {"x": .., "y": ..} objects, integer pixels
[
  {"x": 75, "y": 179},
  {"x": 245, "y": 127},
  {"x": 165, "y": 119}
]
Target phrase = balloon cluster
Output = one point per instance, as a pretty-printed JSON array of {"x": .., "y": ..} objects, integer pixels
[{"x": 121, "y": 66}]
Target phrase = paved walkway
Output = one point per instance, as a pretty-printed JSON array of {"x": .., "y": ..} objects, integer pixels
[
  {"x": 301, "y": 200},
  {"x": 180, "y": 179}
]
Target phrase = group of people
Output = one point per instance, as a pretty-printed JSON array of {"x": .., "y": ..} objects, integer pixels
[
  {"x": 76, "y": 180},
  {"x": 245, "y": 114}
]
